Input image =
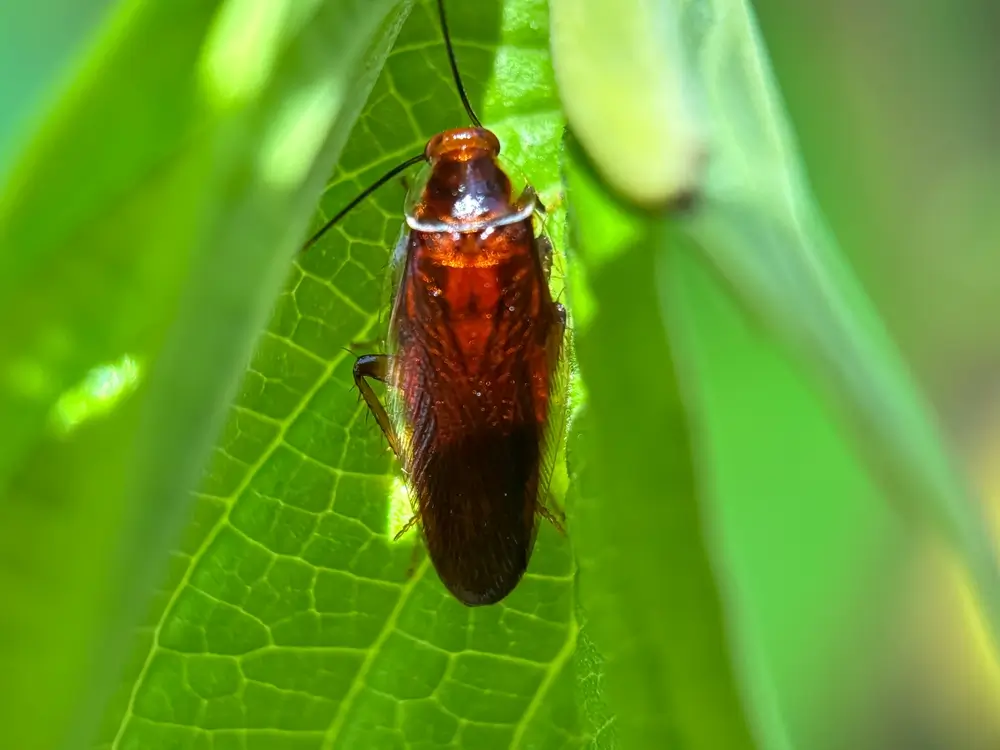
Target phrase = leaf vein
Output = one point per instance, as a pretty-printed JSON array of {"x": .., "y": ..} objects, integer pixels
[
  {"x": 388, "y": 628},
  {"x": 214, "y": 533}
]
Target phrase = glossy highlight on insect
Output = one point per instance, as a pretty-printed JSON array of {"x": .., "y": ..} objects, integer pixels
[{"x": 475, "y": 340}]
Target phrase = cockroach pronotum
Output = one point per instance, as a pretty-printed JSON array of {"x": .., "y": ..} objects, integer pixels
[{"x": 474, "y": 344}]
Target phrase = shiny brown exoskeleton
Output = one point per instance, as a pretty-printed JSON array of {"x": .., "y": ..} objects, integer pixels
[{"x": 474, "y": 339}]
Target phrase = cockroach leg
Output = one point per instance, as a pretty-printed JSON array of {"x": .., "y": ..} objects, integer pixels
[
  {"x": 558, "y": 334},
  {"x": 530, "y": 194},
  {"x": 543, "y": 247},
  {"x": 409, "y": 525},
  {"x": 376, "y": 367},
  {"x": 561, "y": 313},
  {"x": 554, "y": 345},
  {"x": 370, "y": 344},
  {"x": 414, "y": 559},
  {"x": 556, "y": 518}
]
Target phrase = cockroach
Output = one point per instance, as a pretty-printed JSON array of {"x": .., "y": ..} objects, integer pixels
[{"x": 474, "y": 343}]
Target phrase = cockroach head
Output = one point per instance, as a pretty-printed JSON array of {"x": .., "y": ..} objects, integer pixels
[{"x": 462, "y": 144}]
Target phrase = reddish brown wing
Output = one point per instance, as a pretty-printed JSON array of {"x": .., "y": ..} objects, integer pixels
[{"x": 472, "y": 329}]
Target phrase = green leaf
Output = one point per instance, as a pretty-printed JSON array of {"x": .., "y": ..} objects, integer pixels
[
  {"x": 290, "y": 618},
  {"x": 803, "y": 533},
  {"x": 42, "y": 52},
  {"x": 754, "y": 221},
  {"x": 759, "y": 228},
  {"x": 632, "y": 113},
  {"x": 144, "y": 238},
  {"x": 646, "y": 566},
  {"x": 756, "y": 224}
]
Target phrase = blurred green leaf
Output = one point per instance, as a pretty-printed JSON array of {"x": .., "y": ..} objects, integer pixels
[
  {"x": 759, "y": 228},
  {"x": 289, "y": 618},
  {"x": 622, "y": 82},
  {"x": 42, "y": 48},
  {"x": 646, "y": 569},
  {"x": 805, "y": 539},
  {"x": 149, "y": 221},
  {"x": 755, "y": 222}
]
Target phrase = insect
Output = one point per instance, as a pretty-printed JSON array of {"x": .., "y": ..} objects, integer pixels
[{"x": 474, "y": 341}]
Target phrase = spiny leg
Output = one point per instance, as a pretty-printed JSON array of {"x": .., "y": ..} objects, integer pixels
[
  {"x": 554, "y": 345},
  {"x": 543, "y": 247},
  {"x": 557, "y": 336},
  {"x": 376, "y": 367},
  {"x": 540, "y": 208},
  {"x": 556, "y": 517},
  {"x": 417, "y": 546},
  {"x": 414, "y": 559},
  {"x": 530, "y": 194},
  {"x": 409, "y": 525},
  {"x": 355, "y": 346}
]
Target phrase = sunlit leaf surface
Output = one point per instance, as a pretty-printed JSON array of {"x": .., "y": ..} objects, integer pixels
[
  {"x": 141, "y": 245},
  {"x": 290, "y": 618}
]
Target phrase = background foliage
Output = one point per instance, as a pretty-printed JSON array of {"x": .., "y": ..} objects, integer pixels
[{"x": 740, "y": 552}]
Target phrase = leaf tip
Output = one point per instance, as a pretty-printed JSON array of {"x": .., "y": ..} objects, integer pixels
[{"x": 623, "y": 84}]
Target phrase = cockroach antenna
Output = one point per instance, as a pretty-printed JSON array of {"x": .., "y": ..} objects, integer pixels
[
  {"x": 364, "y": 194},
  {"x": 454, "y": 66},
  {"x": 413, "y": 159}
]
